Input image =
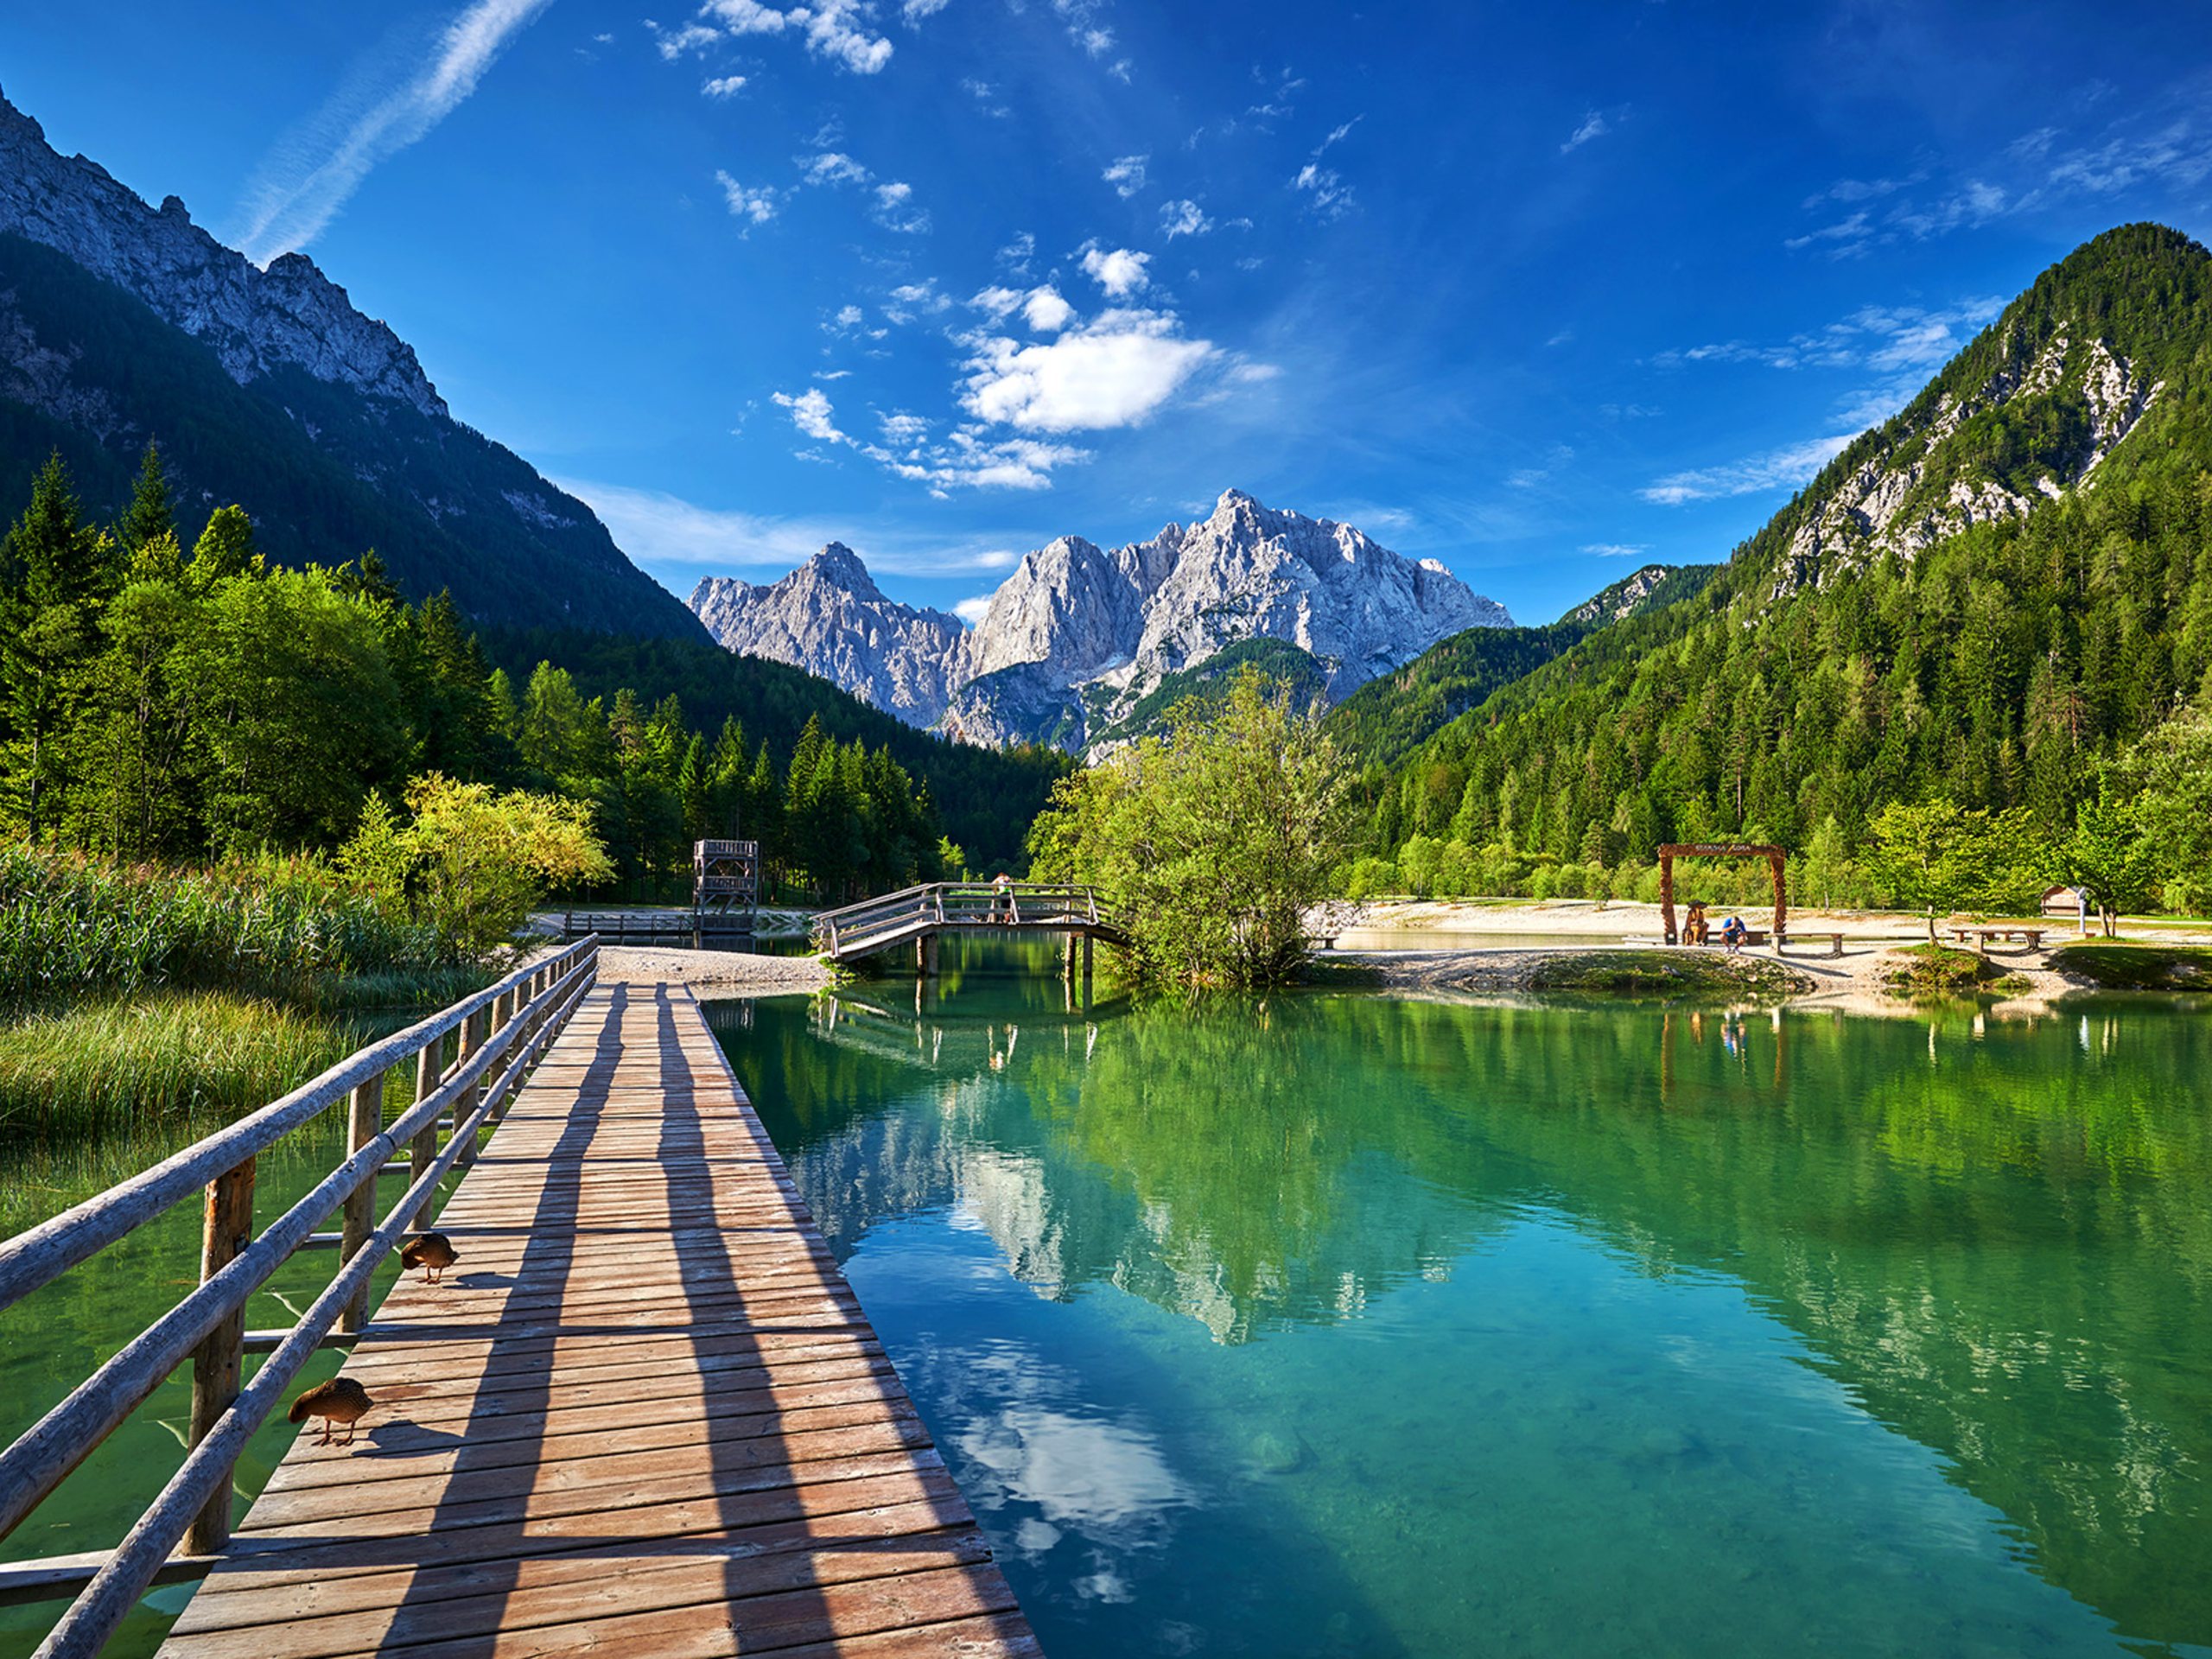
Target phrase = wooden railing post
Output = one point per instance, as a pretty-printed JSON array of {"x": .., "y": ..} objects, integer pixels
[
  {"x": 473, "y": 1033},
  {"x": 424, "y": 1147},
  {"x": 216, "y": 1367},
  {"x": 363, "y": 1123}
]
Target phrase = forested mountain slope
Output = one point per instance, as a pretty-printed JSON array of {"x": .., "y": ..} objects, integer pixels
[
  {"x": 1386, "y": 718},
  {"x": 1979, "y": 600}
]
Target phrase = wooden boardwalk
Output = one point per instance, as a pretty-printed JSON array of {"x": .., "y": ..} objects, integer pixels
[{"x": 644, "y": 1414}]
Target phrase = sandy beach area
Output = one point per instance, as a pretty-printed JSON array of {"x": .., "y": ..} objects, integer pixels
[{"x": 1497, "y": 949}]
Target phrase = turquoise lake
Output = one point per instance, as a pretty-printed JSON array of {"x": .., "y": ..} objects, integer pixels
[{"x": 1353, "y": 1324}]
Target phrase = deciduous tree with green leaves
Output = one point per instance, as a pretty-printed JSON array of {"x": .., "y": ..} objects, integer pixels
[
  {"x": 1937, "y": 857},
  {"x": 1213, "y": 841}
]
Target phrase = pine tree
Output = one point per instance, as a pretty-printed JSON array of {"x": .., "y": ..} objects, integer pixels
[
  {"x": 225, "y": 549},
  {"x": 151, "y": 514}
]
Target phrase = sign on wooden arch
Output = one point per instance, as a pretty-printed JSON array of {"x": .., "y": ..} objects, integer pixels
[{"x": 1675, "y": 849}]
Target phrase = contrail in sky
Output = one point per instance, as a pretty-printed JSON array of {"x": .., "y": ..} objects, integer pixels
[{"x": 301, "y": 186}]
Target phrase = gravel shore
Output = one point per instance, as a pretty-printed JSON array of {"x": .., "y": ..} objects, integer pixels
[{"x": 712, "y": 973}]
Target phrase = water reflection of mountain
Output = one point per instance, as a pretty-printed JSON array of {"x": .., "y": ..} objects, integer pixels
[
  {"x": 1998, "y": 1242},
  {"x": 1301, "y": 1239}
]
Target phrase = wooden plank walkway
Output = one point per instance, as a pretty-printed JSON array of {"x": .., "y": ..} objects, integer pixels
[{"x": 644, "y": 1414}]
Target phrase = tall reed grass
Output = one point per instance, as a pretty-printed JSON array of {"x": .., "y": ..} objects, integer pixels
[
  {"x": 280, "y": 926},
  {"x": 158, "y": 1061}
]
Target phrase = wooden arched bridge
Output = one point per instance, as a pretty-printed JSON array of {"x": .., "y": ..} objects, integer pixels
[{"x": 921, "y": 916}]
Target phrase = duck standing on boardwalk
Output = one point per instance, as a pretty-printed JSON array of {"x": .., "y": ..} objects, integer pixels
[
  {"x": 341, "y": 1400},
  {"x": 433, "y": 1252}
]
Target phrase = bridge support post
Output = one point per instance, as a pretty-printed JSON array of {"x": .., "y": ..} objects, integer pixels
[
  {"x": 363, "y": 1123},
  {"x": 925, "y": 955},
  {"x": 1086, "y": 970},
  {"x": 1070, "y": 967}
]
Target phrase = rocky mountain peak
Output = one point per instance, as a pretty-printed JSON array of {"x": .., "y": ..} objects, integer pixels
[
  {"x": 257, "y": 321},
  {"x": 840, "y": 566},
  {"x": 1077, "y": 632}
]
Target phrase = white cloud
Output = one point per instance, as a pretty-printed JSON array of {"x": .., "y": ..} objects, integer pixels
[
  {"x": 893, "y": 210},
  {"x": 914, "y": 12},
  {"x": 1127, "y": 175},
  {"x": 832, "y": 167},
  {"x": 973, "y": 611},
  {"x": 1046, "y": 312},
  {"x": 1119, "y": 271},
  {"x": 910, "y": 300},
  {"x": 746, "y": 16},
  {"x": 1113, "y": 371},
  {"x": 756, "y": 206},
  {"x": 723, "y": 85},
  {"x": 1593, "y": 126},
  {"x": 848, "y": 317},
  {"x": 1616, "y": 550},
  {"x": 1184, "y": 218},
  {"x": 1332, "y": 197},
  {"x": 674, "y": 43},
  {"x": 834, "y": 29},
  {"x": 1882, "y": 337},
  {"x": 299, "y": 189},
  {"x": 987, "y": 99},
  {"x": 812, "y": 415},
  {"x": 1016, "y": 255},
  {"x": 1777, "y": 469}
]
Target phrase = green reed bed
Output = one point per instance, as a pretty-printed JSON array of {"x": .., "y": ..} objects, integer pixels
[{"x": 279, "y": 926}]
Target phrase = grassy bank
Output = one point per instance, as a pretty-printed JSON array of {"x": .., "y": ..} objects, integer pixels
[
  {"x": 2117, "y": 967},
  {"x": 1922, "y": 972}
]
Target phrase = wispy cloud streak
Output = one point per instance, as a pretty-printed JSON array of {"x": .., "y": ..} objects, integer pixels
[{"x": 301, "y": 188}]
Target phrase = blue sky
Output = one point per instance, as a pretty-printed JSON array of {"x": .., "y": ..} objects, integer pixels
[{"x": 1541, "y": 292}]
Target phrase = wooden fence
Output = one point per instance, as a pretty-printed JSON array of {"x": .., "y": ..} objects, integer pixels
[{"x": 468, "y": 1060}]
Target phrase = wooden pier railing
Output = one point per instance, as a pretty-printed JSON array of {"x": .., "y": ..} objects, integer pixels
[{"x": 468, "y": 1060}]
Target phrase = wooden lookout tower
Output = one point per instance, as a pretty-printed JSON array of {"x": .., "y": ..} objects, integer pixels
[{"x": 725, "y": 877}]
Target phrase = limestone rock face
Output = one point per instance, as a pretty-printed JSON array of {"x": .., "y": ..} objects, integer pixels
[
  {"x": 1078, "y": 634},
  {"x": 829, "y": 618},
  {"x": 256, "y": 320},
  {"x": 1917, "y": 489}
]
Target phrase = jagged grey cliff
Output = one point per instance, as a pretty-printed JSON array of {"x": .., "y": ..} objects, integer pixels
[
  {"x": 829, "y": 618},
  {"x": 122, "y": 323},
  {"x": 1078, "y": 634},
  {"x": 256, "y": 320}
]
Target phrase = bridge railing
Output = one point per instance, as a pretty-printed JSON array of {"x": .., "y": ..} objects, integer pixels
[
  {"x": 468, "y": 1060},
  {"x": 959, "y": 903}
]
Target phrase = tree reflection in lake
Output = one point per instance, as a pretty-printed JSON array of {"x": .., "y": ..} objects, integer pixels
[{"x": 1994, "y": 1240}]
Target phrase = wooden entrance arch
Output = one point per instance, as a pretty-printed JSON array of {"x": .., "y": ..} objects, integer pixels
[{"x": 1675, "y": 849}]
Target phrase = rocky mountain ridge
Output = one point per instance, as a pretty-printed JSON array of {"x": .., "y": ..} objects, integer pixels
[
  {"x": 121, "y": 323},
  {"x": 1078, "y": 634},
  {"x": 256, "y": 320}
]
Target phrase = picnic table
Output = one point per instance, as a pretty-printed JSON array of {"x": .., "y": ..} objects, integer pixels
[{"x": 1980, "y": 934}]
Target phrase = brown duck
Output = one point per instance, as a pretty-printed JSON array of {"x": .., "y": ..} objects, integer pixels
[
  {"x": 341, "y": 1400},
  {"x": 433, "y": 1252}
]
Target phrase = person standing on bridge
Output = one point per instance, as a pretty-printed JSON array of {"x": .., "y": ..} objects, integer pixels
[{"x": 1003, "y": 899}]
